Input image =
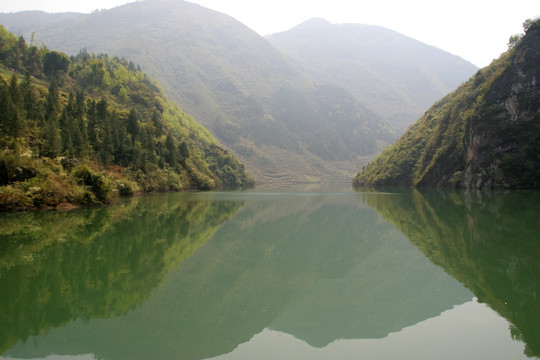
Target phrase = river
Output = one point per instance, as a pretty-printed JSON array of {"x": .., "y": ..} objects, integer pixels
[{"x": 311, "y": 272}]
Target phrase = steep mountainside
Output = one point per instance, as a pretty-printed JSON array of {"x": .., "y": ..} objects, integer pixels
[
  {"x": 235, "y": 83},
  {"x": 486, "y": 134},
  {"x": 88, "y": 128},
  {"x": 396, "y": 76}
]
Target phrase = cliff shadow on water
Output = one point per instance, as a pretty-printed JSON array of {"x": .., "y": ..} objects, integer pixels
[{"x": 486, "y": 240}]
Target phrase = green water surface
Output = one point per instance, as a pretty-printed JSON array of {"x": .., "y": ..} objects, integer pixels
[{"x": 293, "y": 273}]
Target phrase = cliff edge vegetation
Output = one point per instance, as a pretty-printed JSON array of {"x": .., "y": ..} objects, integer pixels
[
  {"x": 88, "y": 128},
  {"x": 486, "y": 134}
]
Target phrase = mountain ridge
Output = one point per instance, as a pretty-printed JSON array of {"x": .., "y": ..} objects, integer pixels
[
  {"x": 232, "y": 80},
  {"x": 376, "y": 65},
  {"x": 238, "y": 86},
  {"x": 24, "y": 21}
]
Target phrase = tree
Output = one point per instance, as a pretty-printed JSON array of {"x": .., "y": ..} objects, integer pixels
[
  {"x": 33, "y": 61},
  {"x": 70, "y": 127},
  {"x": 17, "y": 120},
  {"x": 79, "y": 113},
  {"x": 91, "y": 115},
  {"x": 528, "y": 23},
  {"x": 183, "y": 151},
  {"x": 8, "y": 112},
  {"x": 55, "y": 63},
  {"x": 132, "y": 124},
  {"x": 29, "y": 98},
  {"x": 66, "y": 131},
  {"x": 106, "y": 151},
  {"x": 51, "y": 145},
  {"x": 53, "y": 103},
  {"x": 514, "y": 40},
  {"x": 171, "y": 151},
  {"x": 156, "y": 121},
  {"x": 51, "y": 137}
]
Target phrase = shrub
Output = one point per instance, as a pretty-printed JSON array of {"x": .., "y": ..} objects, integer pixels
[
  {"x": 98, "y": 184},
  {"x": 15, "y": 167},
  {"x": 14, "y": 198}
]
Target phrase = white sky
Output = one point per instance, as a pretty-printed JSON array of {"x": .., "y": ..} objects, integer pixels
[{"x": 477, "y": 31}]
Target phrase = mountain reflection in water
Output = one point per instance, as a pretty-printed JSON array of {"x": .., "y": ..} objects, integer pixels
[
  {"x": 487, "y": 240},
  {"x": 193, "y": 276}
]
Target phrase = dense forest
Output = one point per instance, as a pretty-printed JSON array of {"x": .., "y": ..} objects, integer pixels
[
  {"x": 486, "y": 134},
  {"x": 88, "y": 128}
]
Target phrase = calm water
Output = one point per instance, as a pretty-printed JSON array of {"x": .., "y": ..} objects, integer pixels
[{"x": 276, "y": 274}]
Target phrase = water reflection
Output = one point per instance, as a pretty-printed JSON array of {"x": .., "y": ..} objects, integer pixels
[
  {"x": 489, "y": 241},
  {"x": 321, "y": 267},
  {"x": 94, "y": 263}
]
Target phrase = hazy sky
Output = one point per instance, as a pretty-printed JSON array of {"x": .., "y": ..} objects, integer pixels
[{"x": 477, "y": 31}]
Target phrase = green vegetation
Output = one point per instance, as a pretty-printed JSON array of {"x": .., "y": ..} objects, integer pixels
[
  {"x": 86, "y": 129},
  {"x": 483, "y": 135}
]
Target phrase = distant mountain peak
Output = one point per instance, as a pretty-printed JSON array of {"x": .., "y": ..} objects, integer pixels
[
  {"x": 380, "y": 67},
  {"x": 315, "y": 22},
  {"x": 311, "y": 25}
]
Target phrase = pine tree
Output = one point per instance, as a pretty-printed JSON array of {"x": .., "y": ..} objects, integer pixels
[
  {"x": 156, "y": 121},
  {"x": 171, "y": 151},
  {"x": 91, "y": 127},
  {"x": 16, "y": 120},
  {"x": 8, "y": 112},
  {"x": 79, "y": 113},
  {"x": 68, "y": 128},
  {"x": 132, "y": 124},
  {"x": 51, "y": 145},
  {"x": 52, "y": 107},
  {"x": 29, "y": 98},
  {"x": 183, "y": 152},
  {"x": 106, "y": 147}
]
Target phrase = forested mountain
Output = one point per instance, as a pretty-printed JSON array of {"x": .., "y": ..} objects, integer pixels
[
  {"x": 394, "y": 75},
  {"x": 486, "y": 134},
  {"x": 283, "y": 124},
  {"x": 86, "y": 128}
]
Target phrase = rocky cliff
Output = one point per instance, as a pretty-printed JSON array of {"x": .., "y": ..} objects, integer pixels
[
  {"x": 502, "y": 147},
  {"x": 486, "y": 134}
]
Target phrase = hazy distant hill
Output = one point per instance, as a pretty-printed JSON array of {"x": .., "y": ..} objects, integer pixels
[
  {"x": 394, "y": 75},
  {"x": 486, "y": 134},
  {"x": 248, "y": 94},
  {"x": 25, "y": 21}
]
